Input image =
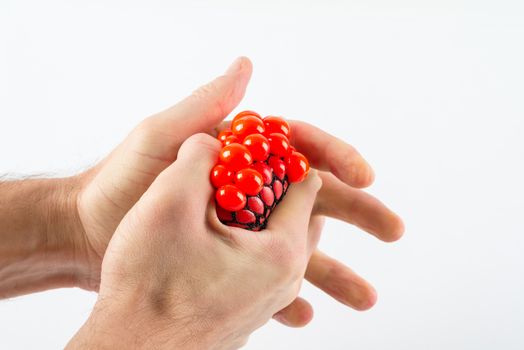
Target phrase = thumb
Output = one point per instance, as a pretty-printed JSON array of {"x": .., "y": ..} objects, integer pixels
[
  {"x": 207, "y": 106},
  {"x": 159, "y": 137},
  {"x": 153, "y": 145},
  {"x": 292, "y": 215}
]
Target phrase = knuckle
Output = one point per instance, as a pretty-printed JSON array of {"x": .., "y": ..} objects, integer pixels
[
  {"x": 315, "y": 182},
  {"x": 149, "y": 140},
  {"x": 316, "y": 226},
  {"x": 205, "y": 91},
  {"x": 143, "y": 134},
  {"x": 203, "y": 139},
  {"x": 196, "y": 142},
  {"x": 240, "y": 342},
  {"x": 290, "y": 293},
  {"x": 147, "y": 123}
]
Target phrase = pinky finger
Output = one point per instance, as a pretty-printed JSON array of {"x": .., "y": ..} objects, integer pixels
[
  {"x": 340, "y": 282},
  {"x": 297, "y": 314}
]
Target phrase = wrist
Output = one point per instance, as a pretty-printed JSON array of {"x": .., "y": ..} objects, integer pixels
[
  {"x": 124, "y": 321},
  {"x": 65, "y": 243},
  {"x": 38, "y": 244}
]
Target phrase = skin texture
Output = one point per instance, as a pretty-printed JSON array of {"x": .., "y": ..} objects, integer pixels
[
  {"x": 174, "y": 277},
  {"x": 113, "y": 187},
  {"x": 39, "y": 236},
  {"x": 95, "y": 202}
]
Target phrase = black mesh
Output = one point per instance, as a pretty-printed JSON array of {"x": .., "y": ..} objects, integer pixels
[{"x": 258, "y": 225}]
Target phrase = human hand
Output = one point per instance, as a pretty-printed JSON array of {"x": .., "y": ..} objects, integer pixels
[
  {"x": 111, "y": 188},
  {"x": 343, "y": 172},
  {"x": 173, "y": 276}
]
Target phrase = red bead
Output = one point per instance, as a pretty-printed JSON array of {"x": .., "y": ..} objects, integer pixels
[
  {"x": 224, "y": 134},
  {"x": 265, "y": 170},
  {"x": 267, "y": 196},
  {"x": 297, "y": 167},
  {"x": 224, "y": 215},
  {"x": 277, "y": 189},
  {"x": 278, "y": 166},
  {"x": 230, "y": 198},
  {"x": 245, "y": 113},
  {"x": 235, "y": 156},
  {"x": 277, "y": 124},
  {"x": 258, "y": 145},
  {"x": 256, "y": 166},
  {"x": 249, "y": 181},
  {"x": 220, "y": 176},
  {"x": 230, "y": 139},
  {"x": 247, "y": 125},
  {"x": 256, "y": 205},
  {"x": 278, "y": 144},
  {"x": 245, "y": 217}
]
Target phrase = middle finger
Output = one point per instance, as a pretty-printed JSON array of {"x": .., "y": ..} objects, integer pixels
[{"x": 340, "y": 201}]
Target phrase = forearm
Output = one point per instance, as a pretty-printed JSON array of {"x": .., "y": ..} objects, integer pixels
[
  {"x": 37, "y": 235},
  {"x": 132, "y": 323}
]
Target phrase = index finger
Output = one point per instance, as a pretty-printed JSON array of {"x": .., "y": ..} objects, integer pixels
[
  {"x": 326, "y": 152},
  {"x": 329, "y": 153}
]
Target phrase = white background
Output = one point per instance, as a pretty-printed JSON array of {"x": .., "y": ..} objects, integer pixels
[{"x": 431, "y": 92}]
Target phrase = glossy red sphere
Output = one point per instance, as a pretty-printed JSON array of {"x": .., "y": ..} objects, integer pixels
[
  {"x": 258, "y": 145},
  {"x": 278, "y": 144},
  {"x": 230, "y": 139},
  {"x": 255, "y": 169},
  {"x": 277, "y": 124},
  {"x": 265, "y": 170},
  {"x": 278, "y": 166},
  {"x": 220, "y": 176},
  {"x": 246, "y": 113},
  {"x": 224, "y": 134},
  {"x": 247, "y": 125},
  {"x": 235, "y": 156},
  {"x": 249, "y": 181},
  {"x": 230, "y": 198},
  {"x": 297, "y": 167}
]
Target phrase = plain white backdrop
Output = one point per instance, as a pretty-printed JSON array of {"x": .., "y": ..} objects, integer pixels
[{"x": 431, "y": 92}]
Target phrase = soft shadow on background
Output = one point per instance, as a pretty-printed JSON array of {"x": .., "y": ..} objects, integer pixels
[{"x": 431, "y": 92}]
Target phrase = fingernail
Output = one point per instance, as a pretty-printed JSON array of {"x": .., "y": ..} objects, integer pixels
[{"x": 235, "y": 66}]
